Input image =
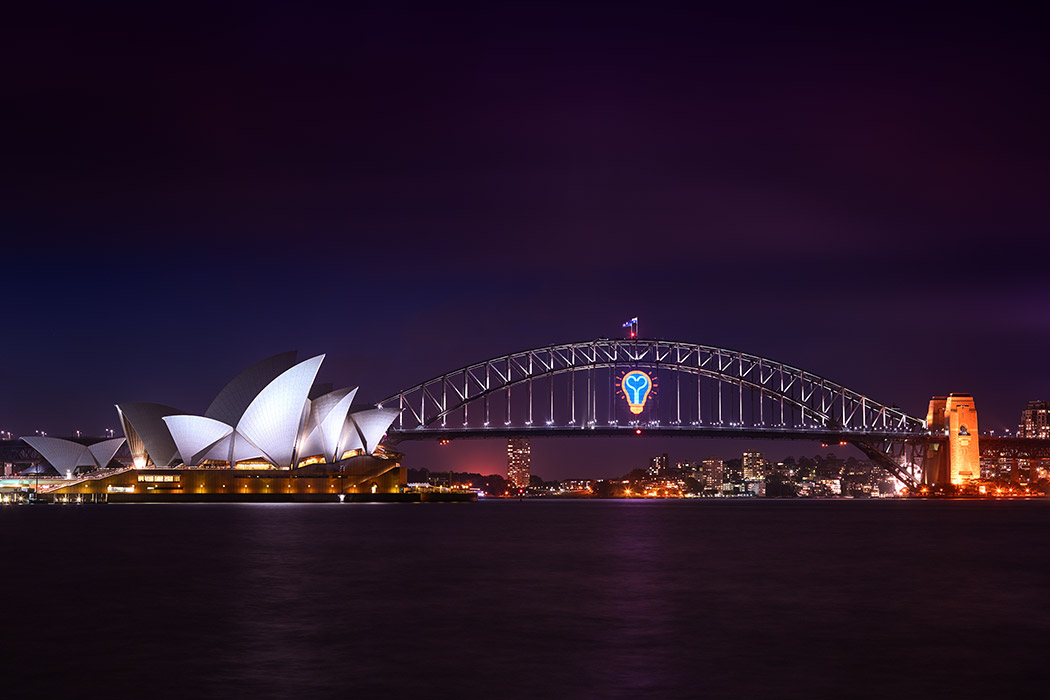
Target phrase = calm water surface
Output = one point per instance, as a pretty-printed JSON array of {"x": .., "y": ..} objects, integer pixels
[{"x": 566, "y": 599}]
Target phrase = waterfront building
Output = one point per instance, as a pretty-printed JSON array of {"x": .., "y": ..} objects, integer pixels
[
  {"x": 733, "y": 470},
  {"x": 267, "y": 416},
  {"x": 757, "y": 488},
  {"x": 753, "y": 466},
  {"x": 832, "y": 486},
  {"x": 1035, "y": 420},
  {"x": 519, "y": 457},
  {"x": 711, "y": 471},
  {"x": 658, "y": 465},
  {"x": 735, "y": 488},
  {"x": 1000, "y": 466},
  {"x": 363, "y": 476},
  {"x": 270, "y": 417}
]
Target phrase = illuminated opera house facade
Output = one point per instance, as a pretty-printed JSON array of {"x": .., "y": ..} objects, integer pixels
[{"x": 270, "y": 434}]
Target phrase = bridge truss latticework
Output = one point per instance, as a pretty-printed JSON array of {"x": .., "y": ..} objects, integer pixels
[
  {"x": 698, "y": 389},
  {"x": 563, "y": 385}
]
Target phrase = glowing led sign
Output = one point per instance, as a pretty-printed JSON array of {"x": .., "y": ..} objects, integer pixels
[{"x": 636, "y": 386}]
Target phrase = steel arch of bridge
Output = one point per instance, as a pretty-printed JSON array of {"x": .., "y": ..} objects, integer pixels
[{"x": 797, "y": 400}]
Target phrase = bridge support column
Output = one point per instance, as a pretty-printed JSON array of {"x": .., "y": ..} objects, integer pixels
[
  {"x": 961, "y": 461},
  {"x": 935, "y": 466}
]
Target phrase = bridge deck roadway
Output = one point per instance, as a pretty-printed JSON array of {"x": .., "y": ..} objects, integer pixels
[{"x": 714, "y": 431}]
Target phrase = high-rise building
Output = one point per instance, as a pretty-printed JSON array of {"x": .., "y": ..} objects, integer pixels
[
  {"x": 754, "y": 466},
  {"x": 1035, "y": 420},
  {"x": 711, "y": 470},
  {"x": 519, "y": 457},
  {"x": 658, "y": 465}
]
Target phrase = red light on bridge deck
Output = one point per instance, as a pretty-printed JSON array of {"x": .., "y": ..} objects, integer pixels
[{"x": 637, "y": 431}]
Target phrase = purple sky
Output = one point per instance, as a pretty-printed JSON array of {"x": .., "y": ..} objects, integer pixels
[{"x": 859, "y": 192}]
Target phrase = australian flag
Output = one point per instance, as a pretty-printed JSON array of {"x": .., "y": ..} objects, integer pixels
[{"x": 632, "y": 322}]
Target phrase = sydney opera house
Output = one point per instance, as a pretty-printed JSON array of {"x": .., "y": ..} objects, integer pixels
[{"x": 270, "y": 434}]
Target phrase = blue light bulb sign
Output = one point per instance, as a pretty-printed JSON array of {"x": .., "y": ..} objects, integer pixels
[{"x": 636, "y": 386}]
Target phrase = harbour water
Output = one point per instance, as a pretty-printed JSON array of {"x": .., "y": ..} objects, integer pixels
[{"x": 506, "y": 599}]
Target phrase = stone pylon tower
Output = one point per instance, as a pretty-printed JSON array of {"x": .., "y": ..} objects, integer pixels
[
  {"x": 961, "y": 461},
  {"x": 964, "y": 453}
]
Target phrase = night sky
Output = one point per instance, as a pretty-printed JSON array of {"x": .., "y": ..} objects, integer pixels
[{"x": 184, "y": 190}]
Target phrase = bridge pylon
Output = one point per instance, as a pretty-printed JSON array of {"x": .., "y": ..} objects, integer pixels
[{"x": 956, "y": 459}]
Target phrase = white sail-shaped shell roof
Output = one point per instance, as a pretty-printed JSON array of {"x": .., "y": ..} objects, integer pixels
[
  {"x": 67, "y": 456},
  {"x": 372, "y": 425},
  {"x": 351, "y": 438},
  {"x": 103, "y": 452},
  {"x": 63, "y": 455},
  {"x": 231, "y": 403},
  {"x": 311, "y": 444},
  {"x": 263, "y": 413},
  {"x": 219, "y": 452},
  {"x": 242, "y": 449},
  {"x": 195, "y": 436},
  {"x": 274, "y": 418},
  {"x": 329, "y": 413},
  {"x": 147, "y": 435}
]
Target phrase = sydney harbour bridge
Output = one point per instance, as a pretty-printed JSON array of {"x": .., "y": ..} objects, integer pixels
[{"x": 609, "y": 387}]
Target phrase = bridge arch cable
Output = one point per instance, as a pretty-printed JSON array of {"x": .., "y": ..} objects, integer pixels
[{"x": 818, "y": 402}]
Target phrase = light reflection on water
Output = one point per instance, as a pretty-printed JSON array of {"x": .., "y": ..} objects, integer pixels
[{"x": 513, "y": 599}]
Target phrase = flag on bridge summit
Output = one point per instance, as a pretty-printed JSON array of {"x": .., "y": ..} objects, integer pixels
[{"x": 628, "y": 324}]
